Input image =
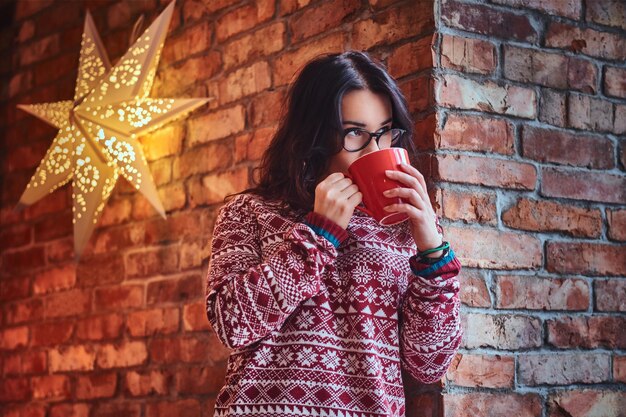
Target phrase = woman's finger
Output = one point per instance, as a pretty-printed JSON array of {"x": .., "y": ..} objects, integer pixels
[
  {"x": 407, "y": 194},
  {"x": 408, "y": 180}
]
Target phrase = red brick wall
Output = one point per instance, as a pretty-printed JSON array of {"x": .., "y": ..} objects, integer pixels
[
  {"x": 124, "y": 331},
  {"x": 531, "y": 129}
]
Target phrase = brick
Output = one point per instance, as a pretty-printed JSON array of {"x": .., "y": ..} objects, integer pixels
[
  {"x": 216, "y": 125},
  {"x": 589, "y": 113},
  {"x": 587, "y": 403},
  {"x": 180, "y": 224},
  {"x": 118, "y": 297},
  {"x": 102, "y": 327},
  {"x": 590, "y": 42},
  {"x": 116, "y": 211},
  {"x": 50, "y": 334},
  {"x": 113, "y": 409},
  {"x": 493, "y": 404},
  {"x": 150, "y": 322},
  {"x": 244, "y": 82},
  {"x": 26, "y": 157},
  {"x": 468, "y": 55},
  {"x": 185, "y": 407},
  {"x": 51, "y": 203},
  {"x": 258, "y": 44},
  {"x": 174, "y": 290},
  {"x": 619, "y": 127},
  {"x": 23, "y": 260},
  {"x": 192, "y": 254},
  {"x": 29, "y": 8},
  {"x": 607, "y": 12},
  {"x": 28, "y": 362},
  {"x": 173, "y": 196},
  {"x": 100, "y": 269},
  {"x": 212, "y": 189},
  {"x": 547, "y": 145},
  {"x": 67, "y": 303},
  {"x": 504, "y": 331},
  {"x": 203, "y": 159},
  {"x": 53, "y": 227},
  {"x": 549, "y": 216},
  {"x": 23, "y": 311},
  {"x": 619, "y": 368},
  {"x": 418, "y": 93},
  {"x": 15, "y": 389},
  {"x": 72, "y": 358},
  {"x": 615, "y": 82},
  {"x": 40, "y": 50},
  {"x": 486, "y": 171},
  {"x": 69, "y": 410},
  {"x": 616, "y": 221},
  {"x": 141, "y": 383},
  {"x": 55, "y": 279},
  {"x": 469, "y": 207},
  {"x": 586, "y": 258},
  {"x": 266, "y": 108},
  {"x": 200, "y": 349},
  {"x": 252, "y": 147},
  {"x": 489, "y": 21},
  {"x": 424, "y": 130},
  {"x": 244, "y": 18},
  {"x": 565, "y": 8},
  {"x": 321, "y": 18},
  {"x": 563, "y": 368},
  {"x": 121, "y": 14},
  {"x": 56, "y": 68},
  {"x": 474, "y": 292},
  {"x": 163, "y": 142},
  {"x": 13, "y": 288},
  {"x": 13, "y": 338},
  {"x": 51, "y": 387},
  {"x": 553, "y": 107},
  {"x": 610, "y": 295},
  {"x": 587, "y": 332},
  {"x": 182, "y": 76},
  {"x": 191, "y": 40},
  {"x": 110, "y": 240},
  {"x": 541, "y": 293},
  {"x": 583, "y": 185},
  {"x": 289, "y": 6},
  {"x": 490, "y": 371},
  {"x": 161, "y": 171},
  {"x": 122, "y": 355},
  {"x": 288, "y": 64},
  {"x": 488, "y": 248},
  {"x": 458, "y": 92},
  {"x": 392, "y": 25},
  {"x": 549, "y": 69},
  {"x": 411, "y": 57},
  {"x": 197, "y": 9},
  {"x": 96, "y": 385},
  {"x": 194, "y": 317},
  {"x": 200, "y": 379},
  {"x": 480, "y": 134},
  {"x": 154, "y": 261}
]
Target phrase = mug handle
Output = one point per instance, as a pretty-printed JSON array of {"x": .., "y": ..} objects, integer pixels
[{"x": 361, "y": 209}]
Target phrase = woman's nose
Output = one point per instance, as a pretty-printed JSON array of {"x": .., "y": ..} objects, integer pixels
[{"x": 372, "y": 146}]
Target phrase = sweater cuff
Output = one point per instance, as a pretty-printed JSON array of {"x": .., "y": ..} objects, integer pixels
[
  {"x": 325, "y": 227},
  {"x": 427, "y": 268}
]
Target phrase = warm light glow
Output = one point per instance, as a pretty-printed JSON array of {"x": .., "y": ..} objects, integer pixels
[{"x": 96, "y": 142}]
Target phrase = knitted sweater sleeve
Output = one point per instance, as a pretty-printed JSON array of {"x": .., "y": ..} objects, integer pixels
[
  {"x": 253, "y": 288},
  {"x": 431, "y": 329}
]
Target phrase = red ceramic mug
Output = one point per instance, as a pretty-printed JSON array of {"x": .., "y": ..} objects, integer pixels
[{"x": 368, "y": 173}]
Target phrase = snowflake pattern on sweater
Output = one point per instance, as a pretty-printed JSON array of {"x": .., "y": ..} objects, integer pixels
[{"x": 319, "y": 330}]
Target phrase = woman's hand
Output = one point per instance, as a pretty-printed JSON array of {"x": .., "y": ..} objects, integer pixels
[
  {"x": 336, "y": 197},
  {"x": 417, "y": 206}
]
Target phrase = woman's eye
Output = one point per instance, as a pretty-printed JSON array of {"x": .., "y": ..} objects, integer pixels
[{"x": 354, "y": 133}]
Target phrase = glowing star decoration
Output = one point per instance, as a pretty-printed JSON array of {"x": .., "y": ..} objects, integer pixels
[{"x": 98, "y": 129}]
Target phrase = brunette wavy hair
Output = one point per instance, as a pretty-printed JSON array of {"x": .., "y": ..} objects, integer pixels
[{"x": 310, "y": 131}]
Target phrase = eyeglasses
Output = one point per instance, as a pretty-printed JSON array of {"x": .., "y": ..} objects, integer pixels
[{"x": 355, "y": 139}]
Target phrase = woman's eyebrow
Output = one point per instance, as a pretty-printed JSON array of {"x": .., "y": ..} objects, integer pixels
[{"x": 350, "y": 122}]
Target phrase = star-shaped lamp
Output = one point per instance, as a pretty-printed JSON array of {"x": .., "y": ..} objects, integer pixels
[{"x": 98, "y": 129}]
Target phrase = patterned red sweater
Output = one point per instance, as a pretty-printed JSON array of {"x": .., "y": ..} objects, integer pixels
[{"x": 323, "y": 331}]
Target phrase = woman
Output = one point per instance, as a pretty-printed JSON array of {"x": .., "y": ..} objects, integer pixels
[{"x": 323, "y": 306}]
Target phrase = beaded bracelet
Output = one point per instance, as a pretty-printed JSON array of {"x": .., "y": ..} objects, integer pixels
[{"x": 443, "y": 246}]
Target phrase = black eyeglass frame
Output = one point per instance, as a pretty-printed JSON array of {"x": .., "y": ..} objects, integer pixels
[{"x": 371, "y": 135}]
